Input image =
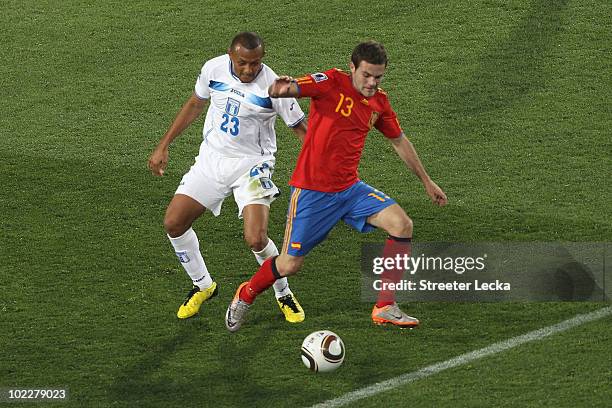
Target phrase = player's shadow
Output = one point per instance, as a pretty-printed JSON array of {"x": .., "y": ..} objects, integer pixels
[
  {"x": 508, "y": 70},
  {"x": 135, "y": 382},
  {"x": 219, "y": 373}
]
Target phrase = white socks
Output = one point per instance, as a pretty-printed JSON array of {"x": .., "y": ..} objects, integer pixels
[
  {"x": 187, "y": 250},
  {"x": 281, "y": 286}
]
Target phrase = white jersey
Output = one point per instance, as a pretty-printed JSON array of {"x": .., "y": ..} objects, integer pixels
[{"x": 241, "y": 116}]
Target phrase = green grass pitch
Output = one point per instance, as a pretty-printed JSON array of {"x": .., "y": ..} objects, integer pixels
[{"x": 507, "y": 103}]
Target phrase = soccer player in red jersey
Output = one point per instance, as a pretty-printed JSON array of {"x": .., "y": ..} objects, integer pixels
[{"x": 325, "y": 185}]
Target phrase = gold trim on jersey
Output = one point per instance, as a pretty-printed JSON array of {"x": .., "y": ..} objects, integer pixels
[
  {"x": 290, "y": 216},
  {"x": 304, "y": 79}
]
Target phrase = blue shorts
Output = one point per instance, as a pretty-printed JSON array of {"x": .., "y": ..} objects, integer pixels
[{"x": 313, "y": 214}]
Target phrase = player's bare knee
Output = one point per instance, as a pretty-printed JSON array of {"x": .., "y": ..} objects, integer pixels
[
  {"x": 288, "y": 267},
  {"x": 174, "y": 226},
  {"x": 401, "y": 227},
  {"x": 256, "y": 240},
  {"x": 288, "y": 270},
  {"x": 406, "y": 227}
]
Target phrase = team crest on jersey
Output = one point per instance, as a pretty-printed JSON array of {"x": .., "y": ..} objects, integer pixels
[
  {"x": 319, "y": 77},
  {"x": 373, "y": 119},
  {"x": 232, "y": 107}
]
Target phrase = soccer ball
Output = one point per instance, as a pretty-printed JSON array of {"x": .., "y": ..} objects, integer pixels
[{"x": 322, "y": 351}]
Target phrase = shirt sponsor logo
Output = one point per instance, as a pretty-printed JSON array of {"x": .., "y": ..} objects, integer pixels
[{"x": 237, "y": 92}]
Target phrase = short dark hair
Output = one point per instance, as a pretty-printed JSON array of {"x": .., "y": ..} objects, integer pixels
[
  {"x": 369, "y": 51},
  {"x": 248, "y": 40}
]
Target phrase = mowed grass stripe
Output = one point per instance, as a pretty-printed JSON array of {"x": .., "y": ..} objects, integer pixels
[{"x": 462, "y": 359}]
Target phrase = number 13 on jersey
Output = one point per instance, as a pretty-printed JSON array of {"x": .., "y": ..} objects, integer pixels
[{"x": 345, "y": 105}]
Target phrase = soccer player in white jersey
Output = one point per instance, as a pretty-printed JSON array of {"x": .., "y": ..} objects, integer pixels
[{"x": 236, "y": 157}]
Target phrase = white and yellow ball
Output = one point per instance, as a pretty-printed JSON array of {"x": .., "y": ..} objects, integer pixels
[{"x": 323, "y": 351}]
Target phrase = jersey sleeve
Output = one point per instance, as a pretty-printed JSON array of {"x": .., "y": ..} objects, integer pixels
[
  {"x": 388, "y": 124},
  {"x": 201, "y": 87},
  {"x": 289, "y": 110},
  {"x": 314, "y": 85}
]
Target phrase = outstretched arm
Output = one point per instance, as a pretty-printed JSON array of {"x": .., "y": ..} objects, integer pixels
[
  {"x": 188, "y": 113},
  {"x": 408, "y": 154},
  {"x": 284, "y": 87}
]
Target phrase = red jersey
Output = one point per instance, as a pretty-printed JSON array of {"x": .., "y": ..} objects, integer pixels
[{"x": 339, "y": 120}]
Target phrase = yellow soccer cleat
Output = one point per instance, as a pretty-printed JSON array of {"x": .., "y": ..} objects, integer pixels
[
  {"x": 291, "y": 308},
  {"x": 195, "y": 298}
]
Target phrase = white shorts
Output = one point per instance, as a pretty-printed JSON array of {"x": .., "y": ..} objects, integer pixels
[{"x": 214, "y": 177}]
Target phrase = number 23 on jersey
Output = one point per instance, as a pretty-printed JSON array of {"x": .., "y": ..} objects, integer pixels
[{"x": 231, "y": 124}]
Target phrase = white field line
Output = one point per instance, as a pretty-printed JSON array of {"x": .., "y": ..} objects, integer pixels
[{"x": 464, "y": 359}]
